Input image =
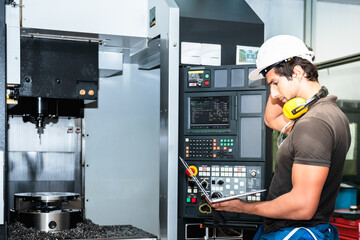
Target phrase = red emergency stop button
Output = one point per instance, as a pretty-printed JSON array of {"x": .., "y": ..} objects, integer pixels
[
  {"x": 193, "y": 170},
  {"x": 193, "y": 200},
  {"x": 207, "y": 83}
]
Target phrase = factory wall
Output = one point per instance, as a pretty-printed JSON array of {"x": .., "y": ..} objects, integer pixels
[
  {"x": 336, "y": 35},
  {"x": 280, "y": 16}
]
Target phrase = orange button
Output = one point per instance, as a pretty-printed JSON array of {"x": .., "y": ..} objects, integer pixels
[
  {"x": 214, "y": 148},
  {"x": 214, "y": 155},
  {"x": 214, "y": 140},
  {"x": 187, "y": 151},
  {"x": 225, "y": 148},
  {"x": 217, "y": 148},
  {"x": 214, "y": 144},
  {"x": 187, "y": 147},
  {"x": 187, "y": 155}
]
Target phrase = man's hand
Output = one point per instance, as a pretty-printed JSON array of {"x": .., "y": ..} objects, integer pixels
[
  {"x": 274, "y": 117},
  {"x": 235, "y": 205}
]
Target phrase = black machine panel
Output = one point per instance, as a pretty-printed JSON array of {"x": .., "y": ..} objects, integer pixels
[
  {"x": 223, "y": 139},
  {"x": 59, "y": 69}
]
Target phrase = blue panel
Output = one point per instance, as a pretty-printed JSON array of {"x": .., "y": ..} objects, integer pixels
[
  {"x": 251, "y": 104},
  {"x": 237, "y": 77},
  {"x": 250, "y": 137},
  {"x": 221, "y": 78}
]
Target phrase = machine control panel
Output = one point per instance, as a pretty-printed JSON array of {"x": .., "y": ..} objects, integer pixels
[
  {"x": 221, "y": 181},
  {"x": 210, "y": 147},
  {"x": 223, "y": 139},
  {"x": 199, "y": 78}
]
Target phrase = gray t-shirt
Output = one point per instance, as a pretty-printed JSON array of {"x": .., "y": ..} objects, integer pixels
[{"x": 321, "y": 137}]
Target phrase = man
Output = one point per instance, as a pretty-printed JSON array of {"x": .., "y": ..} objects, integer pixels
[{"x": 309, "y": 162}]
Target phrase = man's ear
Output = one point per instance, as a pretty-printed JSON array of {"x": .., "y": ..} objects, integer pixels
[{"x": 298, "y": 71}]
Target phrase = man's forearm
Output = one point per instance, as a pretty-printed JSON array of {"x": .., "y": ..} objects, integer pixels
[
  {"x": 280, "y": 208},
  {"x": 287, "y": 206}
]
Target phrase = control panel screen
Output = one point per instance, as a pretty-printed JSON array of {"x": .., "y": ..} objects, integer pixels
[
  {"x": 195, "y": 76},
  {"x": 209, "y": 112}
]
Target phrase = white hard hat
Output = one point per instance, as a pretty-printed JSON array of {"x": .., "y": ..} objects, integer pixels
[{"x": 277, "y": 49}]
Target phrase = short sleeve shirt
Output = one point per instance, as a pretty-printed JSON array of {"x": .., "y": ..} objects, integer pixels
[{"x": 321, "y": 137}]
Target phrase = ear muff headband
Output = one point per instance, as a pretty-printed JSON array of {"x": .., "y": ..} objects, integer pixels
[{"x": 296, "y": 107}]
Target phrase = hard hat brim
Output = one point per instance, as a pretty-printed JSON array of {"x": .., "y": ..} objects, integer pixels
[{"x": 256, "y": 75}]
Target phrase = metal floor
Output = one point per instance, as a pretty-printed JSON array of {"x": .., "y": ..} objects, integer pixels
[{"x": 85, "y": 230}]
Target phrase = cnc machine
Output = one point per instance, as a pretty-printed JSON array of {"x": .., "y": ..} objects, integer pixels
[{"x": 88, "y": 88}]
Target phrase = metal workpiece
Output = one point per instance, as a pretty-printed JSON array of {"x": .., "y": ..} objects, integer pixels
[
  {"x": 48, "y": 211},
  {"x": 56, "y": 220},
  {"x": 47, "y": 196}
]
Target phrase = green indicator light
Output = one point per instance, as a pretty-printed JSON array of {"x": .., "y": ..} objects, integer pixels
[
  {"x": 232, "y": 144},
  {"x": 187, "y": 199},
  {"x": 231, "y": 140},
  {"x": 206, "y": 75},
  {"x": 221, "y": 140}
]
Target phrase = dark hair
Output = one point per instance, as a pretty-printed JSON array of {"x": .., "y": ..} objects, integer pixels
[{"x": 286, "y": 69}]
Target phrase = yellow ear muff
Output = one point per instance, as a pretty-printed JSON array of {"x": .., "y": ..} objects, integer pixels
[{"x": 290, "y": 108}]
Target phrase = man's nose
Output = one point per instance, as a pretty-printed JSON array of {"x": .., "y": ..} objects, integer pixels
[{"x": 274, "y": 92}]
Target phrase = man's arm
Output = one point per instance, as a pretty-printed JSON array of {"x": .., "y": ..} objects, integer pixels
[
  {"x": 298, "y": 204},
  {"x": 274, "y": 117}
]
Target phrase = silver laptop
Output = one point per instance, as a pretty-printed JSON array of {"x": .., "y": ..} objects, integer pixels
[{"x": 215, "y": 200}]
